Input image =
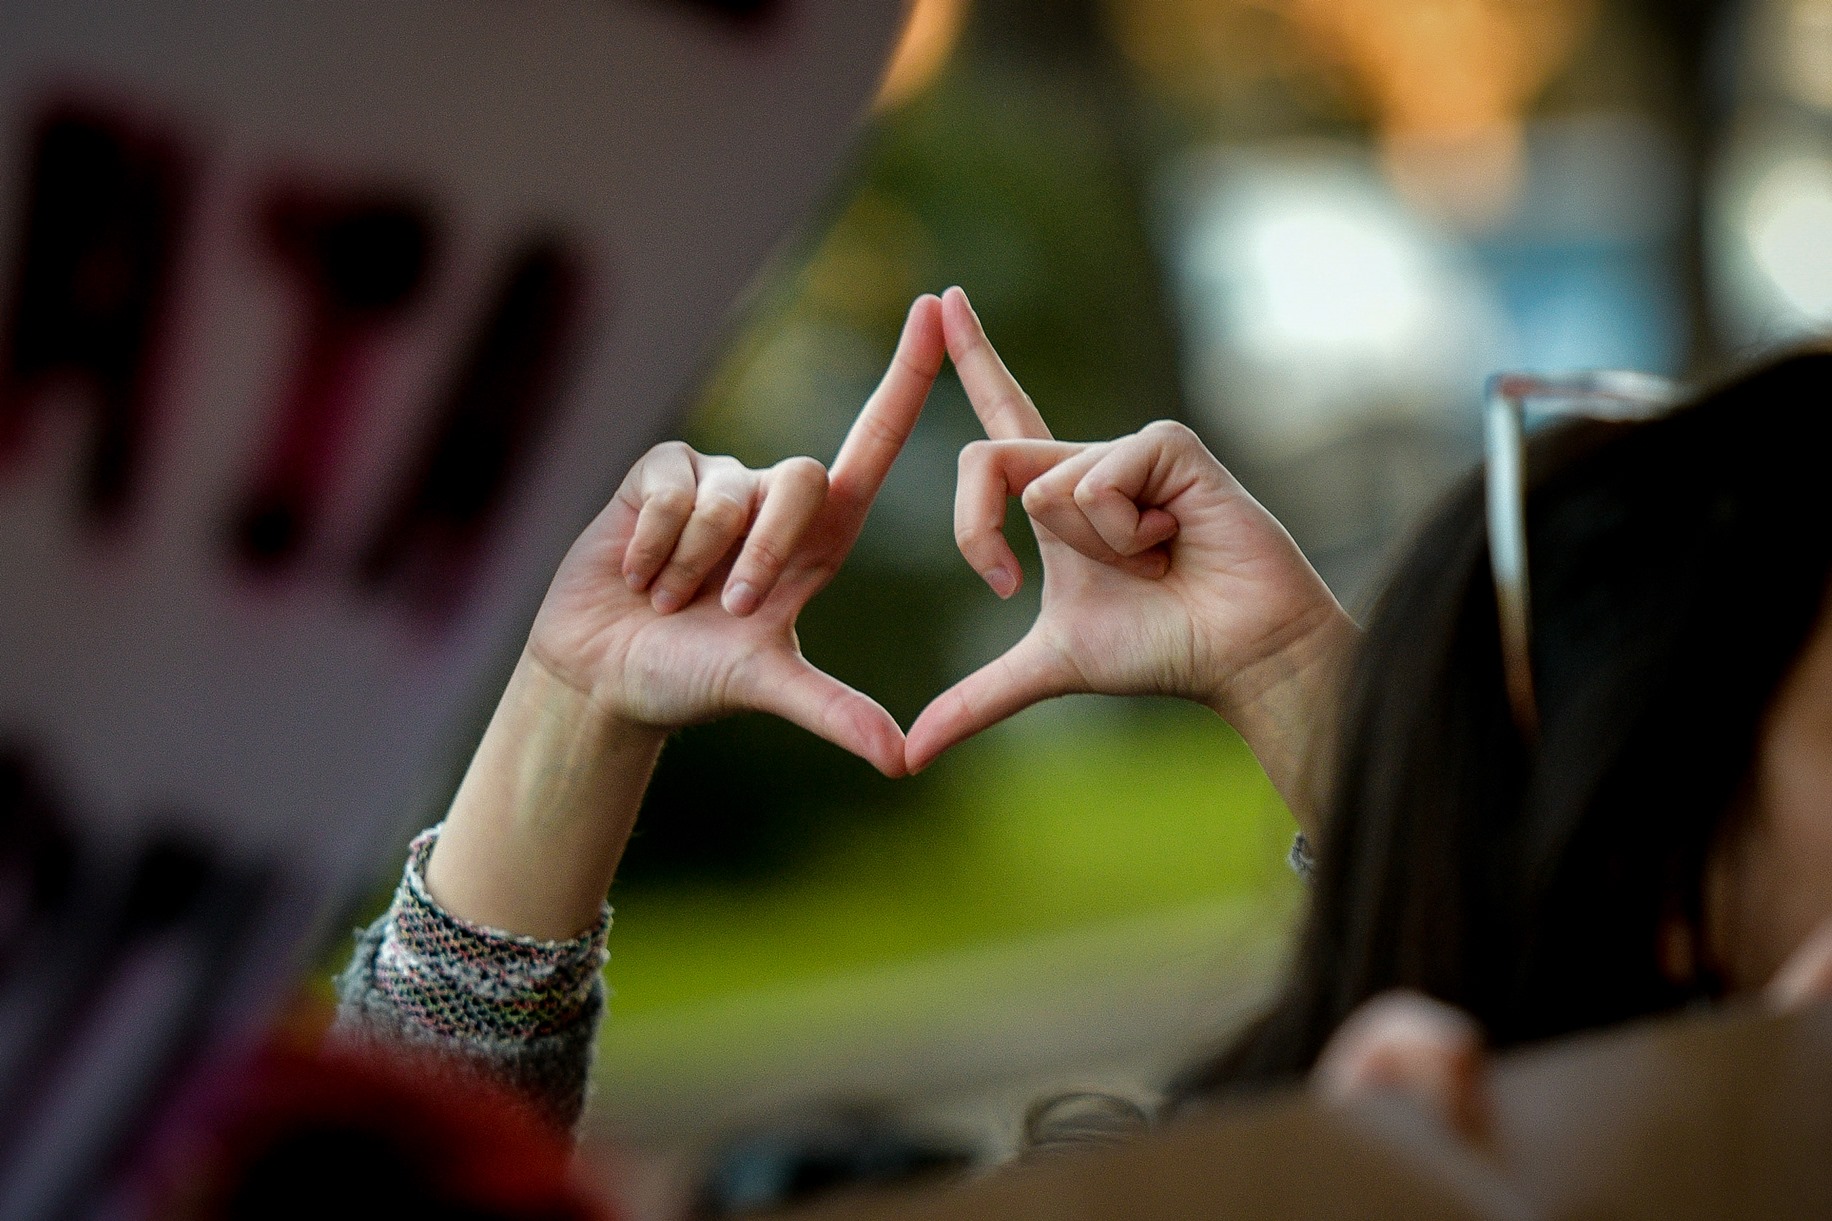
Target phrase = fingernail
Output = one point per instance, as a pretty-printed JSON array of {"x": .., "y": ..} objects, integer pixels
[
  {"x": 633, "y": 580},
  {"x": 741, "y": 599},
  {"x": 666, "y": 601},
  {"x": 1003, "y": 582}
]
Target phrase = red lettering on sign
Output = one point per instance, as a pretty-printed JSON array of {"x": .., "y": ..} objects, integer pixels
[
  {"x": 356, "y": 265},
  {"x": 104, "y": 201},
  {"x": 484, "y": 428}
]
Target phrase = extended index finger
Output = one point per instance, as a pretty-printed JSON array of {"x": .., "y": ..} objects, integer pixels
[
  {"x": 1004, "y": 409},
  {"x": 884, "y": 424}
]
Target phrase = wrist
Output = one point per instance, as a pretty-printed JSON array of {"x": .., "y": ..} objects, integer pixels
[
  {"x": 1285, "y": 705},
  {"x": 540, "y": 821}
]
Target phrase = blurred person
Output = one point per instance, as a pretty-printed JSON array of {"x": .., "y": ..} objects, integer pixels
[{"x": 1664, "y": 840}]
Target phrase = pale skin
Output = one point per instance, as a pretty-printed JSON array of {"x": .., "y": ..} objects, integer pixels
[
  {"x": 1161, "y": 576},
  {"x": 678, "y": 605}
]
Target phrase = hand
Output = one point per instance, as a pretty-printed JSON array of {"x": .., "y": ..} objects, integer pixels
[
  {"x": 678, "y": 604},
  {"x": 1161, "y": 575},
  {"x": 1405, "y": 1042}
]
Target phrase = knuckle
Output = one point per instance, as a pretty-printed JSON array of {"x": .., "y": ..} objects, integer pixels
[
  {"x": 723, "y": 512},
  {"x": 879, "y": 432},
  {"x": 803, "y": 469},
  {"x": 762, "y": 556},
  {"x": 672, "y": 502},
  {"x": 1173, "y": 431}
]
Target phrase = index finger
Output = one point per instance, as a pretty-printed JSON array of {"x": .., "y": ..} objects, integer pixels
[
  {"x": 1004, "y": 409},
  {"x": 884, "y": 423}
]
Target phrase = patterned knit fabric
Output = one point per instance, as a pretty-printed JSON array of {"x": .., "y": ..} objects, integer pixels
[
  {"x": 1302, "y": 860},
  {"x": 464, "y": 981},
  {"x": 516, "y": 1010}
]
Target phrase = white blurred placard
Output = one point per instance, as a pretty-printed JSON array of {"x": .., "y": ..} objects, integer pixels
[{"x": 374, "y": 301}]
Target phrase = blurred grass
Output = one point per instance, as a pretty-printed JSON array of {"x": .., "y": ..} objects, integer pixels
[{"x": 1073, "y": 816}]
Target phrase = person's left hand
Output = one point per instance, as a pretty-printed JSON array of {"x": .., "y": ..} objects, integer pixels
[{"x": 1161, "y": 575}]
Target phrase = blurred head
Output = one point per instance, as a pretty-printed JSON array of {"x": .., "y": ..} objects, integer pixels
[{"x": 1669, "y": 837}]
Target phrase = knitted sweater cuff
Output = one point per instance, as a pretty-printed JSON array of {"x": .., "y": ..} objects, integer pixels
[{"x": 467, "y": 982}]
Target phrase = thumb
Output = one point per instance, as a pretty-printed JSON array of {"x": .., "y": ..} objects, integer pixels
[
  {"x": 1027, "y": 673},
  {"x": 790, "y": 686}
]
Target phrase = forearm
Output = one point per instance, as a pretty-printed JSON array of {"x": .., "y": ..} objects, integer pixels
[
  {"x": 541, "y": 819},
  {"x": 1286, "y": 707}
]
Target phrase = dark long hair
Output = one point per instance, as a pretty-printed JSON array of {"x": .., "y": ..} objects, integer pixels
[{"x": 1678, "y": 568}]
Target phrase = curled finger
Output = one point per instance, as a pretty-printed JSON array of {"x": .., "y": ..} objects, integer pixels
[
  {"x": 1430, "y": 1052},
  {"x": 722, "y": 508},
  {"x": 793, "y": 492},
  {"x": 991, "y": 472},
  {"x": 662, "y": 486},
  {"x": 1116, "y": 497},
  {"x": 1051, "y": 504}
]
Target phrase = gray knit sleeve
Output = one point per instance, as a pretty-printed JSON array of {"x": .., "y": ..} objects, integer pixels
[
  {"x": 1301, "y": 858},
  {"x": 514, "y": 1010}
]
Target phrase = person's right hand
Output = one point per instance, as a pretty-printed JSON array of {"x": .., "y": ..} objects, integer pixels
[
  {"x": 678, "y": 604},
  {"x": 1161, "y": 575}
]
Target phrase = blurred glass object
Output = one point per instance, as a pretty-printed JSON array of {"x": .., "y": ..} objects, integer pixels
[
  {"x": 1788, "y": 227},
  {"x": 1769, "y": 203},
  {"x": 1336, "y": 335},
  {"x": 1316, "y": 301}
]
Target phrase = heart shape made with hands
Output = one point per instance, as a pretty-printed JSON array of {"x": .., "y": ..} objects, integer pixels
[{"x": 1124, "y": 611}]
